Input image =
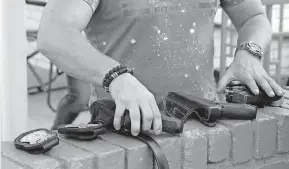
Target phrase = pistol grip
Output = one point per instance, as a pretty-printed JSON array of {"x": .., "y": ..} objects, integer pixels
[
  {"x": 245, "y": 96},
  {"x": 169, "y": 124},
  {"x": 172, "y": 125}
]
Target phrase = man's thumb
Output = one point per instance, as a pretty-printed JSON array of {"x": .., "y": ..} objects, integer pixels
[{"x": 223, "y": 82}]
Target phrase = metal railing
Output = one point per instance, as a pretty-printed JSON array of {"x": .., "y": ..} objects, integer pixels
[{"x": 47, "y": 86}]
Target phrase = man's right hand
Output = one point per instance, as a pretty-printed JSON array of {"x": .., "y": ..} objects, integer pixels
[{"x": 128, "y": 93}]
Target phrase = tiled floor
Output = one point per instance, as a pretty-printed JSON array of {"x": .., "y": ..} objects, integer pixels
[{"x": 39, "y": 113}]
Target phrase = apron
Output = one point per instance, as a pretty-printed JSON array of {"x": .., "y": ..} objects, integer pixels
[{"x": 169, "y": 43}]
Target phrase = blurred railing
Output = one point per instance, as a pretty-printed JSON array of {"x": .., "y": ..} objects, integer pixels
[
  {"x": 47, "y": 86},
  {"x": 271, "y": 64}
]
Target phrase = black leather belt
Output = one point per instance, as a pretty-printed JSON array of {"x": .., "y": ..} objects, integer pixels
[
  {"x": 159, "y": 156},
  {"x": 102, "y": 112}
]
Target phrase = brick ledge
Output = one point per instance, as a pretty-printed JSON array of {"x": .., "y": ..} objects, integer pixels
[{"x": 233, "y": 144}]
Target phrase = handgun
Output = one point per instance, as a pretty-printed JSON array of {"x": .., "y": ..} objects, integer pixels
[
  {"x": 238, "y": 92},
  {"x": 207, "y": 111},
  {"x": 103, "y": 113}
]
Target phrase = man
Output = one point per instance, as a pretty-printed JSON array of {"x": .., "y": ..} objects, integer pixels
[{"x": 169, "y": 43}]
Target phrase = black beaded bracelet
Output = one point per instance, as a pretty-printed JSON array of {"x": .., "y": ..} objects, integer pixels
[{"x": 114, "y": 73}]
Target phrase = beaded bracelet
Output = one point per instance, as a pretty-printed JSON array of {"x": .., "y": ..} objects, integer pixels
[{"x": 114, "y": 73}]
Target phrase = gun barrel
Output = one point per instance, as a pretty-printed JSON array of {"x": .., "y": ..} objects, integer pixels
[{"x": 238, "y": 111}]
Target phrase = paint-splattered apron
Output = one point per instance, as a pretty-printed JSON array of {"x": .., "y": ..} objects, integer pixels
[{"x": 169, "y": 43}]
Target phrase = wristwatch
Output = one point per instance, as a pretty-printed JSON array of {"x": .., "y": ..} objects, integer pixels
[{"x": 252, "y": 48}]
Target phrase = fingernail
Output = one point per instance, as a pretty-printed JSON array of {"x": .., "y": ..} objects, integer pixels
[
  {"x": 158, "y": 132},
  {"x": 280, "y": 92},
  {"x": 117, "y": 127},
  {"x": 256, "y": 91},
  {"x": 272, "y": 93}
]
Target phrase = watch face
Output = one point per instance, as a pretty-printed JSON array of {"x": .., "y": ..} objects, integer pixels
[{"x": 253, "y": 47}]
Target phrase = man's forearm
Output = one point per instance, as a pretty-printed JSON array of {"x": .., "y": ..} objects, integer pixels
[
  {"x": 72, "y": 53},
  {"x": 258, "y": 30}
]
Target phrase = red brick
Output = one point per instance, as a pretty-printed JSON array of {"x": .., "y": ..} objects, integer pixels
[
  {"x": 220, "y": 165},
  {"x": 73, "y": 157},
  {"x": 282, "y": 117},
  {"x": 171, "y": 146},
  {"x": 194, "y": 147},
  {"x": 219, "y": 144},
  {"x": 278, "y": 158},
  {"x": 276, "y": 165},
  {"x": 242, "y": 139},
  {"x": 137, "y": 153},
  {"x": 108, "y": 156},
  {"x": 34, "y": 161},
  {"x": 265, "y": 135},
  {"x": 228, "y": 165},
  {"x": 247, "y": 165},
  {"x": 219, "y": 141},
  {"x": 9, "y": 164}
]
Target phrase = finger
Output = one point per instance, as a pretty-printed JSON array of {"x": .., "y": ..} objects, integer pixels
[
  {"x": 223, "y": 82},
  {"x": 134, "y": 115},
  {"x": 265, "y": 86},
  {"x": 277, "y": 89},
  {"x": 147, "y": 116},
  {"x": 250, "y": 82},
  {"x": 157, "y": 119},
  {"x": 119, "y": 111}
]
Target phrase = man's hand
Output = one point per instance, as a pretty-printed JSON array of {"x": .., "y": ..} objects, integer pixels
[
  {"x": 128, "y": 93},
  {"x": 250, "y": 71}
]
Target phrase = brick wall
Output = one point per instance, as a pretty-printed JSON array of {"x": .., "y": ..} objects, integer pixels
[{"x": 259, "y": 144}]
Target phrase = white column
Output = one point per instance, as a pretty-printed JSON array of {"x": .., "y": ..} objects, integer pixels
[{"x": 13, "y": 72}]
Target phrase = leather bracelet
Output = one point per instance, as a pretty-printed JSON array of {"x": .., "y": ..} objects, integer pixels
[{"x": 114, "y": 73}]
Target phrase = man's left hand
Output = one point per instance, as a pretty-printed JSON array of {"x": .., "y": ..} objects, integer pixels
[{"x": 249, "y": 70}]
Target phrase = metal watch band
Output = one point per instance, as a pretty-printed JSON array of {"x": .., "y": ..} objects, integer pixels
[{"x": 252, "y": 48}]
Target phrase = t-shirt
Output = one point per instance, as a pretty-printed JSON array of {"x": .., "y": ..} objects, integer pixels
[{"x": 169, "y": 43}]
